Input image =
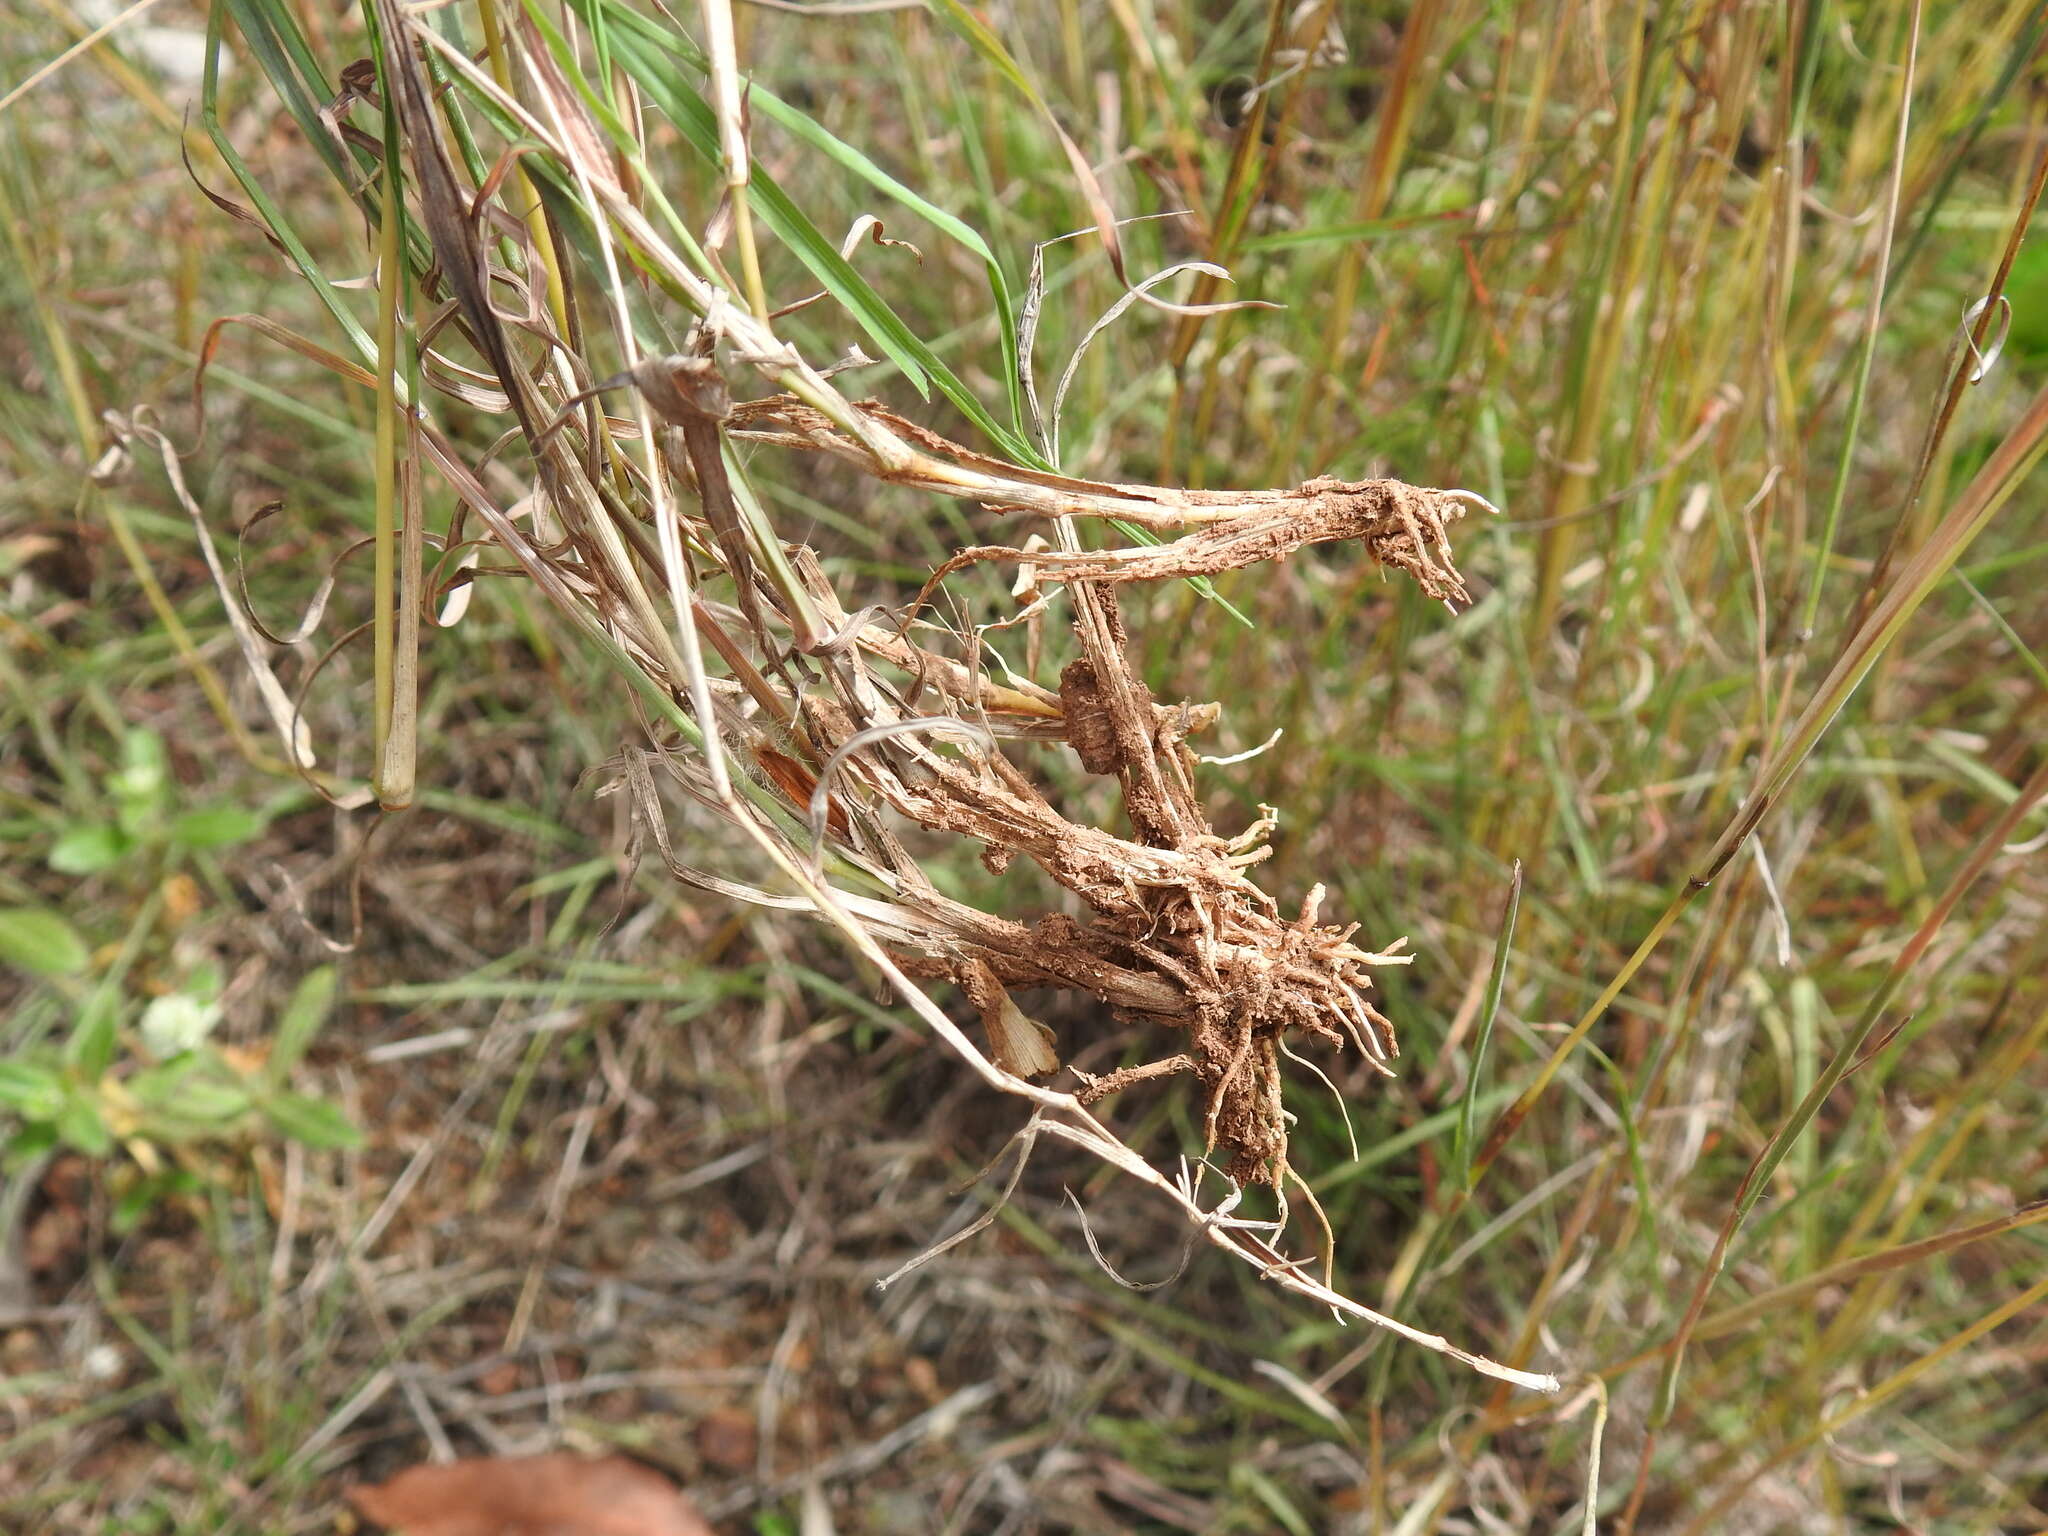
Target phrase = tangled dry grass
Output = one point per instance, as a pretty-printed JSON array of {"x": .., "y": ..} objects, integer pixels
[
  {"x": 1633, "y": 327},
  {"x": 841, "y": 716},
  {"x": 815, "y": 726}
]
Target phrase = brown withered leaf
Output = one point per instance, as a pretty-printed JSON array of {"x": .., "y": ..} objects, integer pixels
[
  {"x": 1020, "y": 1044},
  {"x": 728, "y": 1439},
  {"x": 553, "y": 1495}
]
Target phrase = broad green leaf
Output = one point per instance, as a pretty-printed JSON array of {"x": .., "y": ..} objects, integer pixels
[
  {"x": 299, "y": 1023},
  {"x": 157, "y": 1088},
  {"x": 79, "y": 1124},
  {"x": 30, "y": 1090},
  {"x": 215, "y": 826},
  {"x": 210, "y": 1100},
  {"x": 316, "y": 1122},
  {"x": 37, "y": 940},
  {"x": 196, "y": 1096},
  {"x": 88, "y": 849}
]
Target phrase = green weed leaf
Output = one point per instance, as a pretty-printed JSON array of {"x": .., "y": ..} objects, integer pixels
[
  {"x": 146, "y": 1193},
  {"x": 30, "y": 1143},
  {"x": 215, "y": 826},
  {"x": 145, "y": 764},
  {"x": 86, "y": 850},
  {"x": 211, "y": 1100},
  {"x": 30, "y": 1090},
  {"x": 315, "y": 1122},
  {"x": 198, "y": 1095},
  {"x": 90, "y": 1050},
  {"x": 157, "y": 1088},
  {"x": 79, "y": 1124},
  {"x": 300, "y": 1022},
  {"x": 37, "y": 940},
  {"x": 143, "y": 780}
]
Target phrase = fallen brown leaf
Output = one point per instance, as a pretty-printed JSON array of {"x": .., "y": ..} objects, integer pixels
[
  {"x": 728, "y": 1439},
  {"x": 555, "y": 1495}
]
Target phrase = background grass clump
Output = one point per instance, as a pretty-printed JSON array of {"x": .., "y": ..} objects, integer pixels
[{"x": 581, "y": 1156}]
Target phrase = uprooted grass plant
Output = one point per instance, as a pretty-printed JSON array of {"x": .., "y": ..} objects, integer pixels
[
  {"x": 616, "y": 341},
  {"x": 1708, "y": 816}
]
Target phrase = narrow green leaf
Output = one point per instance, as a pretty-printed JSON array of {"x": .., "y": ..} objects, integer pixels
[
  {"x": 297, "y": 98},
  {"x": 94, "y": 1035},
  {"x": 80, "y": 1125},
  {"x": 990, "y": 47},
  {"x": 692, "y": 115},
  {"x": 299, "y": 1023},
  {"x": 1496, "y": 982},
  {"x": 669, "y": 94},
  {"x": 802, "y": 126},
  {"x": 1269, "y": 1493}
]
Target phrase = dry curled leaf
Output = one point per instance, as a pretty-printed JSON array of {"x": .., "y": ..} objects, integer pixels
[
  {"x": 553, "y": 1495},
  {"x": 1019, "y": 1043}
]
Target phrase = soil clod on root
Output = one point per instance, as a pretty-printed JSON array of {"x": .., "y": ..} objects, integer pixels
[{"x": 1178, "y": 934}]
